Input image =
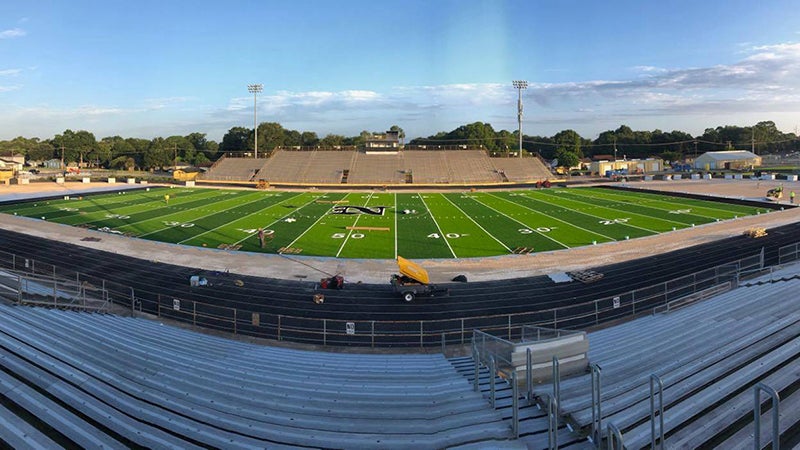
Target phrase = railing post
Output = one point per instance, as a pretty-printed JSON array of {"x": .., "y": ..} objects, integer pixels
[
  {"x": 279, "y": 327},
  {"x": 491, "y": 381},
  {"x": 552, "y": 423},
  {"x": 475, "y": 359},
  {"x": 596, "y": 313},
  {"x": 656, "y": 380},
  {"x": 614, "y": 438},
  {"x": 420, "y": 334},
  {"x": 443, "y": 344},
  {"x": 509, "y": 327},
  {"x": 372, "y": 333},
  {"x": 19, "y": 290},
  {"x": 324, "y": 331},
  {"x": 133, "y": 301},
  {"x": 462, "y": 331},
  {"x": 597, "y": 416},
  {"x": 235, "y": 320},
  {"x": 529, "y": 373},
  {"x": 556, "y": 381},
  {"x": 514, "y": 406},
  {"x": 776, "y": 400}
]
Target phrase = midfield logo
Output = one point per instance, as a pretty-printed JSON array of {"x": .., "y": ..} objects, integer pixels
[{"x": 349, "y": 209}]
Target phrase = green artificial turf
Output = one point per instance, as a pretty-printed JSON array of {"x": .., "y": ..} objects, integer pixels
[{"x": 383, "y": 225}]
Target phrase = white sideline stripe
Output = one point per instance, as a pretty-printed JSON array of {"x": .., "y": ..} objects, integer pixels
[
  {"x": 548, "y": 215},
  {"x": 476, "y": 223},
  {"x": 248, "y": 216},
  {"x": 196, "y": 218},
  {"x": 350, "y": 232},
  {"x": 310, "y": 227},
  {"x": 603, "y": 218},
  {"x": 614, "y": 196},
  {"x": 441, "y": 233}
]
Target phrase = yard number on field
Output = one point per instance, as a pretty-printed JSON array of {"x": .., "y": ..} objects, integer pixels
[{"x": 613, "y": 221}]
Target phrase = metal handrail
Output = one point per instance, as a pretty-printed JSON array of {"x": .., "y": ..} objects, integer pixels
[
  {"x": 655, "y": 380},
  {"x": 776, "y": 401}
]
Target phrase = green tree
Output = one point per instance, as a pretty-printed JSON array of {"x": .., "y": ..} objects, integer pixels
[
  {"x": 235, "y": 140},
  {"x": 332, "y": 140}
]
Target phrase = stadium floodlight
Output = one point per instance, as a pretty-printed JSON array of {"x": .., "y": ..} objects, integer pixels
[
  {"x": 520, "y": 85},
  {"x": 255, "y": 89}
]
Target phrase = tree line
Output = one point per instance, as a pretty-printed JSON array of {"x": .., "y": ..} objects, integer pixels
[{"x": 116, "y": 152}]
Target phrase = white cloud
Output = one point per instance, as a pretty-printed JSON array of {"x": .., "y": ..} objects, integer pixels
[
  {"x": 12, "y": 33},
  {"x": 10, "y": 72}
]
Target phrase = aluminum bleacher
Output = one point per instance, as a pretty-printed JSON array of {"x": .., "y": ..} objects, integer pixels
[
  {"x": 90, "y": 380},
  {"x": 522, "y": 170},
  {"x": 234, "y": 169},
  {"x": 709, "y": 356}
]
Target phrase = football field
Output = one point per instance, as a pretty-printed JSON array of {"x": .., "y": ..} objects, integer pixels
[{"x": 382, "y": 225}]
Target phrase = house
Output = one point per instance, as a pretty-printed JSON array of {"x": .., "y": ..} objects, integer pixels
[{"x": 729, "y": 159}]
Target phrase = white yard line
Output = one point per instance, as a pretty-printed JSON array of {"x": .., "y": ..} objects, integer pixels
[
  {"x": 187, "y": 210},
  {"x": 648, "y": 200},
  {"x": 479, "y": 225},
  {"x": 441, "y": 233},
  {"x": 291, "y": 244},
  {"x": 546, "y": 215},
  {"x": 350, "y": 232},
  {"x": 627, "y": 224},
  {"x": 252, "y": 214}
]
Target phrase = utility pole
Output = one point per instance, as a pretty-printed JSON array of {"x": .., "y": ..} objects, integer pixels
[
  {"x": 520, "y": 85},
  {"x": 615, "y": 148},
  {"x": 62, "y": 156},
  {"x": 255, "y": 89}
]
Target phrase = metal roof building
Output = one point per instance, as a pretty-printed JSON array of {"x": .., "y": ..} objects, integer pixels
[{"x": 733, "y": 159}]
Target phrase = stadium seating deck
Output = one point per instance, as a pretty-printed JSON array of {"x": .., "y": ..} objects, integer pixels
[
  {"x": 709, "y": 356},
  {"x": 234, "y": 169},
  {"x": 415, "y": 166},
  {"x": 135, "y": 381}
]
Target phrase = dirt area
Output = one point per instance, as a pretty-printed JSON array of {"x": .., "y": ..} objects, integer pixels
[{"x": 441, "y": 270}]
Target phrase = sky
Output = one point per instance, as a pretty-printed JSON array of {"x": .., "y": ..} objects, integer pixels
[{"x": 159, "y": 68}]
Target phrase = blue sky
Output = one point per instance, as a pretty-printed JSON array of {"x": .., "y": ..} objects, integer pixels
[{"x": 158, "y": 68}]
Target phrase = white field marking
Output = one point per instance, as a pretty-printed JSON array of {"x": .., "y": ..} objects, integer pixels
[
  {"x": 530, "y": 227},
  {"x": 611, "y": 197},
  {"x": 350, "y": 231},
  {"x": 193, "y": 220},
  {"x": 476, "y": 223},
  {"x": 395, "y": 225},
  {"x": 437, "y": 226},
  {"x": 605, "y": 218},
  {"x": 159, "y": 201},
  {"x": 251, "y": 214},
  {"x": 310, "y": 227}
]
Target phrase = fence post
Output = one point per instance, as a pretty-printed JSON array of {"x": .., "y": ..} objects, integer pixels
[
  {"x": 19, "y": 290},
  {"x": 372, "y": 333},
  {"x": 279, "y": 327},
  {"x": 235, "y": 319},
  {"x": 596, "y": 313},
  {"x": 655, "y": 379},
  {"x": 133, "y": 301},
  {"x": 194, "y": 313},
  {"x": 776, "y": 400},
  {"x": 509, "y": 327},
  {"x": 462, "y": 331},
  {"x": 324, "y": 331},
  {"x": 443, "y": 345},
  {"x": 420, "y": 334}
]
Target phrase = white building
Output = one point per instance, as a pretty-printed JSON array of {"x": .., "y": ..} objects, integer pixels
[{"x": 730, "y": 159}]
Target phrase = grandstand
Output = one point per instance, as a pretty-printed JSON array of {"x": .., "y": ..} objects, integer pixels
[
  {"x": 709, "y": 357},
  {"x": 233, "y": 169},
  {"x": 411, "y": 166}
]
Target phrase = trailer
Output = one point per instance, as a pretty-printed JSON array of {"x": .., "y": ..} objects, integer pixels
[{"x": 412, "y": 281}]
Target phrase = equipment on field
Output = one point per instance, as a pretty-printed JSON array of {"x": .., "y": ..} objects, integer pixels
[
  {"x": 775, "y": 193},
  {"x": 413, "y": 280},
  {"x": 334, "y": 282}
]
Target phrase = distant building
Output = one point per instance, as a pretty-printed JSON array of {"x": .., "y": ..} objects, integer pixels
[
  {"x": 386, "y": 142},
  {"x": 627, "y": 166},
  {"x": 14, "y": 162},
  {"x": 730, "y": 159}
]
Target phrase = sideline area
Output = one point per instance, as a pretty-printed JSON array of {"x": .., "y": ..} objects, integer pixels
[{"x": 379, "y": 271}]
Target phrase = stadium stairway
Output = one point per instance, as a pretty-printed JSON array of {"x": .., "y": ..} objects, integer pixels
[
  {"x": 88, "y": 380},
  {"x": 709, "y": 356}
]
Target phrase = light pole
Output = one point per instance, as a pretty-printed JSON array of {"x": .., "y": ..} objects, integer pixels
[
  {"x": 520, "y": 85},
  {"x": 255, "y": 89}
]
